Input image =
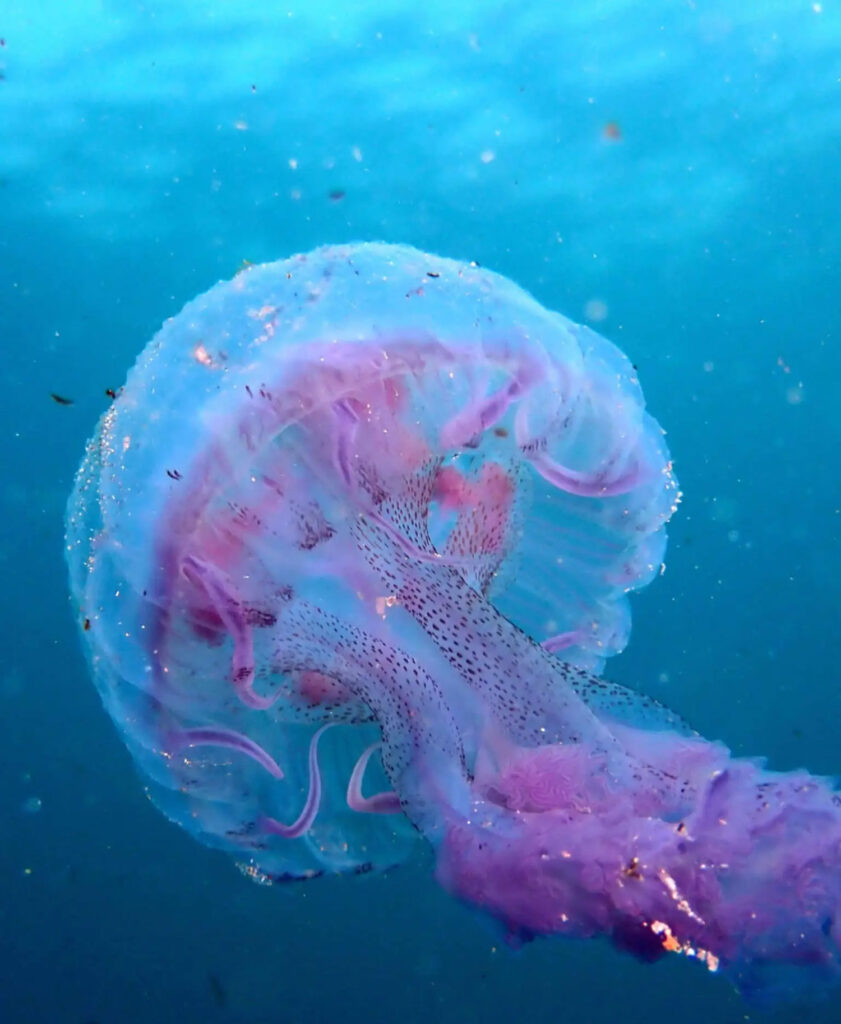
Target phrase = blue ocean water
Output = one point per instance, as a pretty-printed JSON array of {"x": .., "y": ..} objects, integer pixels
[{"x": 666, "y": 171}]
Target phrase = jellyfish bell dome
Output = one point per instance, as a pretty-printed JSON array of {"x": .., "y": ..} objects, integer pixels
[{"x": 291, "y": 456}]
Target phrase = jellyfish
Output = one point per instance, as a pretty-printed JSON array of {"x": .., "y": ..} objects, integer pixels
[{"x": 350, "y": 551}]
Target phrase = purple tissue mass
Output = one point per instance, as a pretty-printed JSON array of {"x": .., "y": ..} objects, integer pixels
[{"x": 350, "y": 550}]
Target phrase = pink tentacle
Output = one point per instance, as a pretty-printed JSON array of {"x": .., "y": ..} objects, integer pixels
[
  {"x": 305, "y": 819},
  {"x": 560, "y": 641},
  {"x": 229, "y": 610},
  {"x": 347, "y": 427},
  {"x": 380, "y": 803},
  {"x": 481, "y": 414},
  {"x": 585, "y": 485},
  {"x": 211, "y": 737}
]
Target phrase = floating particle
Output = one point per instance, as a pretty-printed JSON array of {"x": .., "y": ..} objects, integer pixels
[{"x": 217, "y": 990}]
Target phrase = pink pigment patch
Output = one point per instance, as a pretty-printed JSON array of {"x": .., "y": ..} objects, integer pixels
[{"x": 318, "y": 689}]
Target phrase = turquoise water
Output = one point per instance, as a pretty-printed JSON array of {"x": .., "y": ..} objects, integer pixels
[{"x": 667, "y": 172}]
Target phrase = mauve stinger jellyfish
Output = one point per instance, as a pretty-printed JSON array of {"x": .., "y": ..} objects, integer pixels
[{"x": 350, "y": 549}]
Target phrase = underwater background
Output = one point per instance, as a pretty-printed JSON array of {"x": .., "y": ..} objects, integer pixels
[{"x": 666, "y": 171}]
